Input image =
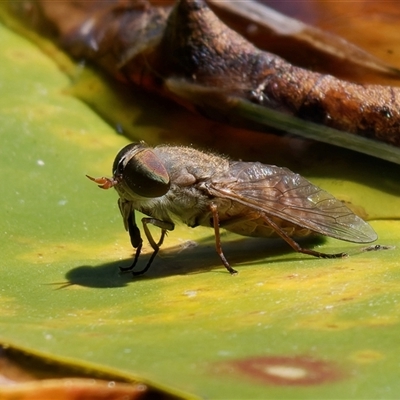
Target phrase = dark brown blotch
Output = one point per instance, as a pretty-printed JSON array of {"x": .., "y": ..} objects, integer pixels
[{"x": 286, "y": 370}]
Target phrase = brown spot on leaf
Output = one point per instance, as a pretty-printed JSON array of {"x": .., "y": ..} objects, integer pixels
[{"x": 287, "y": 371}]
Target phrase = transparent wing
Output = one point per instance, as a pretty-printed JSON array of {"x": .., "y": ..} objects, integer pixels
[{"x": 284, "y": 194}]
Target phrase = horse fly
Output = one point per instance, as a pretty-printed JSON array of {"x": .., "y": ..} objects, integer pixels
[{"x": 172, "y": 183}]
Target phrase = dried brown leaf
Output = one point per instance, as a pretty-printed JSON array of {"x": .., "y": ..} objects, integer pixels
[
  {"x": 73, "y": 389},
  {"x": 279, "y": 33},
  {"x": 150, "y": 46}
]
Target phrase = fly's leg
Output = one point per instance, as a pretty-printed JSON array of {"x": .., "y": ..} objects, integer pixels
[
  {"x": 164, "y": 226},
  {"x": 294, "y": 245},
  {"x": 136, "y": 240},
  {"x": 214, "y": 210}
]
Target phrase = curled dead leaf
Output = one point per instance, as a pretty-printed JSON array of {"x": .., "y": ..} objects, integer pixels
[{"x": 149, "y": 45}]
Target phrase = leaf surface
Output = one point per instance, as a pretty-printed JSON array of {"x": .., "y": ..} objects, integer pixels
[{"x": 286, "y": 326}]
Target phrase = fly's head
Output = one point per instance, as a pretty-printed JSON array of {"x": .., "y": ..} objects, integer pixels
[
  {"x": 140, "y": 172},
  {"x": 137, "y": 172}
]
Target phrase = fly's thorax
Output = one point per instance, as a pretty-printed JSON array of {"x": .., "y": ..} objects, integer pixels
[
  {"x": 187, "y": 166},
  {"x": 187, "y": 204}
]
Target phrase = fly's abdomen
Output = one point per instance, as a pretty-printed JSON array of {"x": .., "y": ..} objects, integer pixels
[
  {"x": 257, "y": 227},
  {"x": 240, "y": 219}
]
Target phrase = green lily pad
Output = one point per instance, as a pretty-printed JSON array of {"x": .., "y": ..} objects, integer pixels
[{"x": 288, "y": 326}]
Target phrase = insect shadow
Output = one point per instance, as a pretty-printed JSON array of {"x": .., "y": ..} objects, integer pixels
[{"x": 189, "y": 258}]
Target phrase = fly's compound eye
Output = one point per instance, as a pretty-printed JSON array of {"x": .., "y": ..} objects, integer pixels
[
  {"x": 142, "y": 171},
  {"x": 124, "y": 154}
]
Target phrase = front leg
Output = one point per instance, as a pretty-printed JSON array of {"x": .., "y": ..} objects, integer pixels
[
  {"x": 164, "y": 226},
  {"x": 134, "y": 233}
]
